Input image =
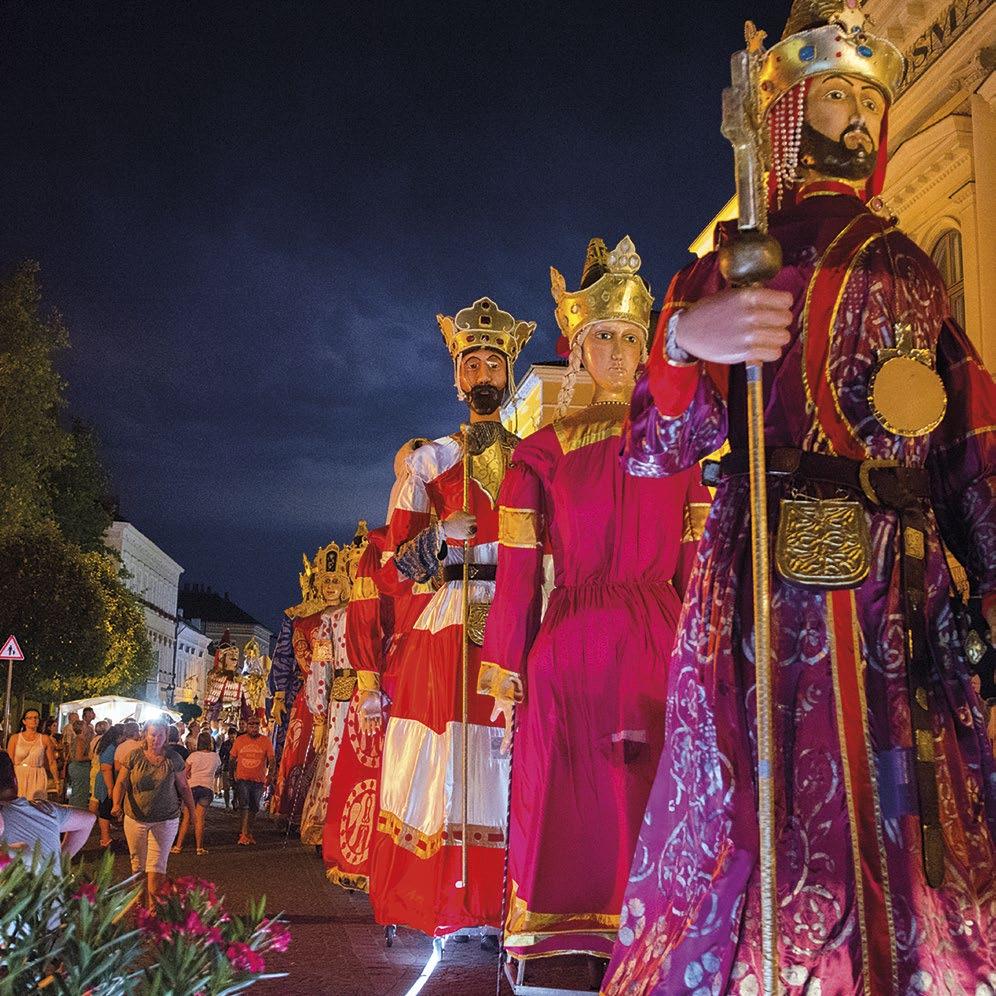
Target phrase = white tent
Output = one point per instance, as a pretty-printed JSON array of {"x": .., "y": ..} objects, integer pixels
[{"x": 115, "y": 708}]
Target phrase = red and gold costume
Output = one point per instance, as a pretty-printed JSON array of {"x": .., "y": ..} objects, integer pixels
[
  {"x": 416, "y": 860},
  {"x": 589, "y": 731},
  {"x": 317, "y": 629}
]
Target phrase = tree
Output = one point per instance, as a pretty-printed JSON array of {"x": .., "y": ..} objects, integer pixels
[
  {"x": 61, "y": 591},
  {"x": 81, "y": 630}
]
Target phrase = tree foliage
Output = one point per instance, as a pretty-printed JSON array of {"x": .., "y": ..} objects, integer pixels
[{"x": 61, "y": 590}]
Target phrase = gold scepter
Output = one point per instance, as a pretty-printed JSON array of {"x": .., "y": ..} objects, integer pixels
[
  {"x": 753, "y": 257},
  {"x": 465, "y": 656}
]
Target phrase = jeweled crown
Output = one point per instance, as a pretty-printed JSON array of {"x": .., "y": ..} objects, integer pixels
[
  {"x": 485, "y": 326},
  {"x": 824, "y": 37},
  {"x": 610, "y": 288}
]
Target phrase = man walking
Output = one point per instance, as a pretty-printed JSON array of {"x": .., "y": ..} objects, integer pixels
[{"x": 252, "y": 755}]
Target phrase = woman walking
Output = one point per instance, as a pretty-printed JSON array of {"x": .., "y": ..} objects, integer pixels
[
  {"x": 103, "y": 786},
  {"x": 150, "y": 789},
  {"x": 201, "y": 770},
  {"x": 33, "y": 755}
]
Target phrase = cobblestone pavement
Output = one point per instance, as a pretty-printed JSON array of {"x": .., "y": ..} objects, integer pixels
[{"x": 337, "y": 949}]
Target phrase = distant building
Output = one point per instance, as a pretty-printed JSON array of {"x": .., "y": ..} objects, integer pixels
[
  {"x": 212, "y": 614},
  {"x": 193, "y": 661},
  {"x": 154, "y": 578},
  {"x": 535, "y": 400}
]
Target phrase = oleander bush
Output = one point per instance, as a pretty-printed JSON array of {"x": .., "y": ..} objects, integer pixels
[{"x": 78, "y": 932}]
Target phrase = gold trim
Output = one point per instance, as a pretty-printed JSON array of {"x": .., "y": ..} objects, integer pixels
[
  {"x": 347, "y": 880},
  {"x": 590, "y": 425},
  {"x": 693, "y": 520},
  {"x": 409, "y": 838},
  {"x": 490, "y": 678},
  {"x": 367, "y": 681},
  {"x": 522, "y": 920},
  {"x": 364, "y": 590},
  {"x": 519, "y": 527}
]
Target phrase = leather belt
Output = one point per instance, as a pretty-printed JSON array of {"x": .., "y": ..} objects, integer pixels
[
  {"x": 905, "y": 490},
  {"x": 475, "y": 572},
  {"x": 882, "y": 482}
]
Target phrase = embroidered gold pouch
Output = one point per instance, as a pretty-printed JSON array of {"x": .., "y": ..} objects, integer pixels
[
  {"x": 343, "y": 684},
  {"x": 477, "y": 618},
  {"x": 822, "y": 543}
]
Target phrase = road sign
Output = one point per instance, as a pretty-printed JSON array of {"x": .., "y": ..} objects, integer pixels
[{"x": 11, "y": 651}]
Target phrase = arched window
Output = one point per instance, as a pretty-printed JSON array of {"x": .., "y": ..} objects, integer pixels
[{"x": 947, "y": 256}]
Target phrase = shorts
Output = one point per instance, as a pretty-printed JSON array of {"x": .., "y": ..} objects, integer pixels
[
  {"x": 149, "y": 843},
  {"x": 202, "y": 796},
  {"x": 249, "y": 794},
  {"x": 104, "y": 808}
]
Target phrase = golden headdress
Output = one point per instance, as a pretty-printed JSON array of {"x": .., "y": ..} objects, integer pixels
[
  {"x": 824, "y": 37},
  {"x": 485, "y": 326},
  {"x": 352, "y": 552},
  {"x": 610, "y": 288}
]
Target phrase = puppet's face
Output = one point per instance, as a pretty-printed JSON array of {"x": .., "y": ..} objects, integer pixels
[
  {"x": 611, "y": 352},
  {"x": 483, "y": 378},
  {"x": 842, "y": 127},
  {"x": 333, "y": 589}
]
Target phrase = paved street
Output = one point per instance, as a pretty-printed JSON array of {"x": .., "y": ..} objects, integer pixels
[{"x": 337, "y": 948}]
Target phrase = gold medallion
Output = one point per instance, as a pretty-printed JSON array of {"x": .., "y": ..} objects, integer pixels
[{"x": 905, "y": 392}]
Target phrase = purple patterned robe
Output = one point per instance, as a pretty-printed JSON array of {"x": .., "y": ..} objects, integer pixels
[{"x": 690, "y": 922}]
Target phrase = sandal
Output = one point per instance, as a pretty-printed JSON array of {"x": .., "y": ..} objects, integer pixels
[
  {"x": 176, "y": 849},
  {"x": 202, "y": 850}
]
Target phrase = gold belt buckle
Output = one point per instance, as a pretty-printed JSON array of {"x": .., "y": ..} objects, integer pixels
[{"x": 864, "y": 477}]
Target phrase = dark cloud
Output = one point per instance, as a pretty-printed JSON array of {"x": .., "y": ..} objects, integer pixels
[{"x": 250, "y": 214}]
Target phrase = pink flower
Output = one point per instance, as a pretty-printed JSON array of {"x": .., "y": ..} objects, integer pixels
[
  {"x": 152, "y": 926},
  {"x": 244, "y": 959},
  {"x": 193, "y": 924},
  {"x": 5, "y": 859},
  {"x": 279, "y": 936},
  {"x": 87, "y": 891},
  {"x": 213, "y": 935}
]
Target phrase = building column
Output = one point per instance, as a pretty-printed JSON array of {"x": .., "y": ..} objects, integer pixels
[{"x": 984, "y": 277}]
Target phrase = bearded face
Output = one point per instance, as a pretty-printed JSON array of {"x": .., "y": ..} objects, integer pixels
[
  {"x": 483, "y": 378},
  {"x": 842, "y": 128}
]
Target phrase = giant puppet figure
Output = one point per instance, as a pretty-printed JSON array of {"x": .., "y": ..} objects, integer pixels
[
  {"x": 224, "y": 696},
  {"x": 314, "y": 633},
  {"x": 589, "y": 728},
  {"x": 440, "y": 840},
  {"x": 332, "y": 703},
  {"x": 879, "y": 444},
  {"x": 284, "y": 678},
  {"x": 383, "y": 606}
]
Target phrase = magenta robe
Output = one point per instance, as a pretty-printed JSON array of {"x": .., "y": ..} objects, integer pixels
[
  {"x": 590, "y": 730},
  {"x": 690, "y": 920}
]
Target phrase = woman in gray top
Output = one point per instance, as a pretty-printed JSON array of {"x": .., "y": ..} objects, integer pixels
[{"x": 151, "y": 789}]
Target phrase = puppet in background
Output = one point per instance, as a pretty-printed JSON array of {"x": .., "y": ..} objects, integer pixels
[
  {"x": 591, "y": 678},
  {"x": 417, "y": 857},
  {"x": 224, "y": 696},
  {"x": 383, "y": 607},
  {"x": 312, "y": 640},
  {"x": 255, "y": 673},
  {"x": 331, "y": 704},
  {"x": 879, "y": 440}
]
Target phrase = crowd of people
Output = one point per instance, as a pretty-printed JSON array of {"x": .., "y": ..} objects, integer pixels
[{"x": 155, "y": 780}]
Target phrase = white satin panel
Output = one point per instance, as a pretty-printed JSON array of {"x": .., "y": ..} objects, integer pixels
[{"x": 422, "y": 772}]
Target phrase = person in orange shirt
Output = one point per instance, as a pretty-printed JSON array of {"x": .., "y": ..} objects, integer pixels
[{"x": 252, "y": 754}]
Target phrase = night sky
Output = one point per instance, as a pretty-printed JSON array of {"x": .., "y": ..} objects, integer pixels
[{"x": 250, "y": 213}]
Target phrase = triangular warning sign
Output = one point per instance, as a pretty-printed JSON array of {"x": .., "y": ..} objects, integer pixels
[{"x": 11, "y": 651}]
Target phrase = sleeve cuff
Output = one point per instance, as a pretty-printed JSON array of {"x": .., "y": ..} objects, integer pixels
[
  {"x": 490, "y": 678},
  {"x": 368, "y": 681}
]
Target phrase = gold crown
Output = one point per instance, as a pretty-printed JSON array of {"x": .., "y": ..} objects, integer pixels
[
  {"x": 610, "y": 288},
  {"x": 824, "y": 37},
  {"x": 352, "y": 552},
  {"x": 485, "y": 326}
]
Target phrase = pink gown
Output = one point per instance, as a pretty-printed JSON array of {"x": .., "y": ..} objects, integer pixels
[{"x": 590, "y": 731}]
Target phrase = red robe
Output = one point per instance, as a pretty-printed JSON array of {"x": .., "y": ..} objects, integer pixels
[{"x": 416, "y": 857}]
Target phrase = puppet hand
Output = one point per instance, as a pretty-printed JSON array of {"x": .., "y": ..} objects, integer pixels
[
  {"x": 370, "y": 711},
  {"x": 277, "y": 709},
  {"x": 736, "y": 325}
]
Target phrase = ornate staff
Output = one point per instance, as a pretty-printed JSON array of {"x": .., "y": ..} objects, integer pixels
[
  {"x": 751, "y": 259},
  {"x": 465, "y": 657}
]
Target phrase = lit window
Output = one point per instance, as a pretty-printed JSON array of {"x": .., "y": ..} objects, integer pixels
[{"x": 947, "y": 257}]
